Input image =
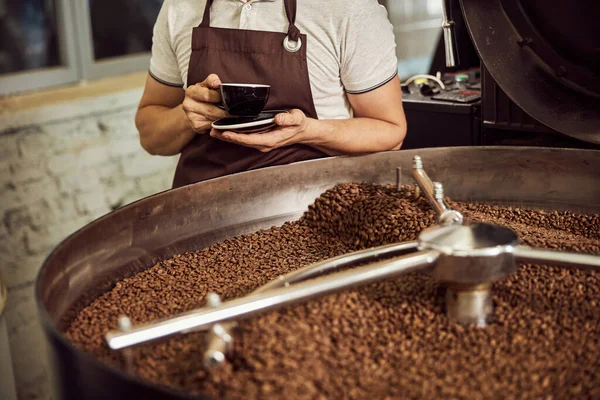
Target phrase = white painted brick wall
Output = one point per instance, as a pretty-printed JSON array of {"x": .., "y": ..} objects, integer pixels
[
  {"x": 27, "y": 170},
  {"x": 8, "y": 146},
  {"x": 28, "y": 346},
  {"x": 62, "y": 170}
]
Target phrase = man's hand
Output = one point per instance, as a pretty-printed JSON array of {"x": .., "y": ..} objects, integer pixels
[
  {"x": 199, "y": 104},
  {"x": 291, "y": 128},
  {"x": 378, "y": 124}
]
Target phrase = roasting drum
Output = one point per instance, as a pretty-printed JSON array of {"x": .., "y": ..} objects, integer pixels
[
  {"x": 544, "y": 55},
  {"x": 135, "y": 237}
]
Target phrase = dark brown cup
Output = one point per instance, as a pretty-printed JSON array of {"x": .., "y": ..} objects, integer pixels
[{"x": 241, "y": 99}]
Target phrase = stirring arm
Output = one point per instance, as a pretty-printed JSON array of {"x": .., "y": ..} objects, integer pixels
[
  {"x": 220, "y": 340},
  {"x": 559, "y": 258},
  {"x": 332, "y": 264},
  {"x": 273, "y": 299}
]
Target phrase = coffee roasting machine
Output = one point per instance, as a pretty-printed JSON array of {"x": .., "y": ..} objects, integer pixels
[
  {"x": 540, "y": 70},
  {"x": 530, "y": 71}
]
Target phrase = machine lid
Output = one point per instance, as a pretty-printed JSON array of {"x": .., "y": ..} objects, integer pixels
[{"x": 546, "y": 56}]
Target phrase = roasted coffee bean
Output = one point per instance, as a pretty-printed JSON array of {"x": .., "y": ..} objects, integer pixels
[{"x": 389, "y": 340}]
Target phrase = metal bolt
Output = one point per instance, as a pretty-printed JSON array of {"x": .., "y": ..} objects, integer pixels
[
  {"x": 438, "y": 191},
  {"x": 213, "y": 300},
  {"x": 124, "y": 323},
  {"x": 417, "y": 162},
  {"x": 214, "y": 359},
  {"x": 127, "y": 353},
  {"x": 219, "y": 340},
  {"x": 398, "y": 177},
  {"x": 450, "y": 217},
  {"x": 525, "y": 42},
  {"x": 218, "y": 337}
]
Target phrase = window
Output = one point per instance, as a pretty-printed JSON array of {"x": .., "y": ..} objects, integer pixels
[
  {"x": 124, "y": 33},
  {"x": 46, "y": 43},
  {"x": 36, "y": 45},
  {"x": 28, "y": 36},
  {"x": 116, "y": 35}
]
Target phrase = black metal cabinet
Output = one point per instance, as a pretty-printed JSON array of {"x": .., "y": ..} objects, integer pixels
[{"x": 433, "y": 123}]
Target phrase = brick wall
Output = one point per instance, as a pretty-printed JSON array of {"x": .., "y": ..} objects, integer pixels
[{"x": 62, "y": 166}]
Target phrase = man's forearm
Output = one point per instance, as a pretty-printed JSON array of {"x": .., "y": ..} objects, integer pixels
[
  {"x": 353, "y": 136},
  {"x": 163, "y": 131}
]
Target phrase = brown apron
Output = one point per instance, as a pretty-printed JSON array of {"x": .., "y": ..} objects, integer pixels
[{"x": 246, "y": 56}]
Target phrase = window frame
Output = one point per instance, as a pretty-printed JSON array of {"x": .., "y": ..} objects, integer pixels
[
  {"x": 43, "y": 78},
  {"x": 90, "y": 67},
  {"x": 77, "y": 63}
]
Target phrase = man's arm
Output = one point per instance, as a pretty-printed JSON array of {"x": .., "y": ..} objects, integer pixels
[
  {"x": 379, "y": 124},
  {"x": 160, "y": 119},
  {"x": 168, "y": 117}
]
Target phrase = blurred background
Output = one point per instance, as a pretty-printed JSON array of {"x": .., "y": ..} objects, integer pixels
[
  {"x": 71, "y": 75},
  {"x": 48, "y": 43}
]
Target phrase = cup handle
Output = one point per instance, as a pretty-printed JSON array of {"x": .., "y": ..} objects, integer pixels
[{"x": 221, "y": 104}]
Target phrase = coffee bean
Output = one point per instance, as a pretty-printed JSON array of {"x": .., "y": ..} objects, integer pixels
[{"x": 389, "y": 340}]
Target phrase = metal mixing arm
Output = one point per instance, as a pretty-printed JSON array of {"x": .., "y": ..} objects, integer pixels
[
  {"x": 558, "y": 258},
  {"x": 332, "y": 264},
  {"x": 434, "y": 192},
  {"x": 273, "y": 299},
  {"x": 466, "y": 258},
  {"x": 220, "y": 338}
]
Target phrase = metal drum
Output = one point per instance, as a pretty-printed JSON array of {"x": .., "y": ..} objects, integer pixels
[{"x": 135, "y": 237}]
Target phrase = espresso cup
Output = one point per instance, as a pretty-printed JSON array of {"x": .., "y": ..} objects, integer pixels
[{"x": 242, "y": 99}]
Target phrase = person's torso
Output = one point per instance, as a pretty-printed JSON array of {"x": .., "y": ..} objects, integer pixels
[{"x": 321, "y": 23}]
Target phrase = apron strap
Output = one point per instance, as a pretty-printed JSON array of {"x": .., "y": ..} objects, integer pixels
[
  {"x": 290, "y": 10},
  {"x": 206, "y": 17}
]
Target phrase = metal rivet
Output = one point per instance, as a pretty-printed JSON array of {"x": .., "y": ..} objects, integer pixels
[
  {"x": 438, "y": 191},
  {"x": 213, "y": 300},
  {"x": 124, "y": 323},
  {"x": 417, "y": 162},
  {"x": 287, "y": 45}
]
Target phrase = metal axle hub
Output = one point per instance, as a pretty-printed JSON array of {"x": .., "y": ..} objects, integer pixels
[{"x": 471, "y": 258}]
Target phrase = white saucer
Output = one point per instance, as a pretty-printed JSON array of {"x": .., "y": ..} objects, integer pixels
[{"x": 264, "y": 120}]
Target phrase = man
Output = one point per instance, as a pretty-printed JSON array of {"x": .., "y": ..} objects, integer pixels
[{"x": 331, "y": 63}]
